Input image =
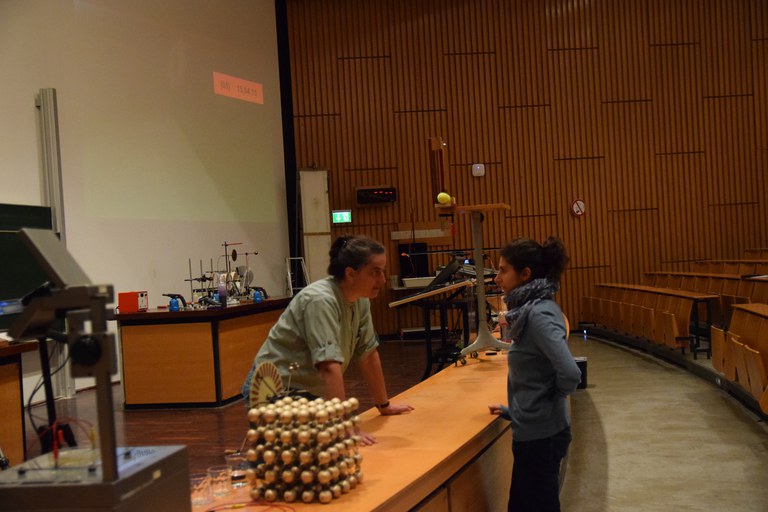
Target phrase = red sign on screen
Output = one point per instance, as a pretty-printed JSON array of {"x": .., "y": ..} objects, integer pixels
[{"x": 237, "y": 88}]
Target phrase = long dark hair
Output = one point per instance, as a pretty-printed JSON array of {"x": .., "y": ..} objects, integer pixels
[
  {"x": 351, "y": 251},
  {"x": 545, "y": 260}
]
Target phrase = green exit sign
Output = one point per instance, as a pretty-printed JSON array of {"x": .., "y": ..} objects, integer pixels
[{"x": 341, "y": 216}]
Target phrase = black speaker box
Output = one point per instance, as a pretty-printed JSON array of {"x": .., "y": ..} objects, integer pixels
[{"x": 413, "y": 265}]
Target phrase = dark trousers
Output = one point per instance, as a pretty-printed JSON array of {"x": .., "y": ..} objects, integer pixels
[{"x": 535, "y": 472}]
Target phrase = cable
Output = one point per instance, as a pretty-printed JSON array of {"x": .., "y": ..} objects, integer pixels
[{"x": 40, "y": 384}]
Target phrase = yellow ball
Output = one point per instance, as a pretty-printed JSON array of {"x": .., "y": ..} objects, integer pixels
[{"x": 443, "y": 198}]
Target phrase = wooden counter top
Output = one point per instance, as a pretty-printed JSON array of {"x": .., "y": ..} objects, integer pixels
[
  {"x": 418, "y": 452},
  {"x": 12, "y": 349},
  {"x": 204, "y": 315}
]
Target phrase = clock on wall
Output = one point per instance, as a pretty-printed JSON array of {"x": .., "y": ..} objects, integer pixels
[{"x": 578, "y": 208}]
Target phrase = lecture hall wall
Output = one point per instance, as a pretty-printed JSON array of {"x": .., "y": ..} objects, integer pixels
[{"x": 655, "y": 113}]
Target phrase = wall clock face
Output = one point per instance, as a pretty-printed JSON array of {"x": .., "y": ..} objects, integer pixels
[{"x": 578, "y": 208}]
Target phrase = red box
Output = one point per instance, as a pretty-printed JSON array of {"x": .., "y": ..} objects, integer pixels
[{"x": 132, "y": 302}]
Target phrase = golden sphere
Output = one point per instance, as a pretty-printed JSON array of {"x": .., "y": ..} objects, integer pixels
[
  {"x": 324, "y": 476},
  {"x": 269, "y": 416},
  {"x": 336, "y": 490},
  {"x": 270, "y": 495},
  {"x": 287, "y": 476},
  {"x": 255, "y": 493},
  {"x": 286, "y": 417},
  {"x": 253, "y": 415},
  {"x": 289, "y": 496},
  {"x": 307, "y": 477},
  {"x": 252, "y": 435},
  {"x": 305, "y": 457},
  {"x": 323, "y": 457},
  {"x": 323, "y": 437},
  {"x": 304, "y": 437},
  {"x": 269, "y": 456},
  {"x": 325, "y": 496},
  {"x": 308, "y": 496}
]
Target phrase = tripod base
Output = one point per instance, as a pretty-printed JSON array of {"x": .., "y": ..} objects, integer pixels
[{"x": 484, "y": 341}]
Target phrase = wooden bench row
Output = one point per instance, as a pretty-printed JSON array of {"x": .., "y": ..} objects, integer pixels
[
  {"x": 741, "y": 352},
  {"x": 757, "y": 253},
  {"x": 732, "y": 289},
  {"x": 740, "y": 267},
  {"x": 660, "y": 315}
]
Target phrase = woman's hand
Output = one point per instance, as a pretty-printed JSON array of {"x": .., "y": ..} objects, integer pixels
[
  {"x": 496, "y": 408},
  {"x": 394, "y": 409},
  {"x": 366, "y": 439}
]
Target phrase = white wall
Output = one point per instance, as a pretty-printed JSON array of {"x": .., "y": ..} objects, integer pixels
[{"x": 156, "y": 168}]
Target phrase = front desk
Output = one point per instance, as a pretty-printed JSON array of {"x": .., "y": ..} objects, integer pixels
[
  {"x": 192, "y": 358},
  {"x": 450, "y": 453},
  {"x": 12, "y": 432}
]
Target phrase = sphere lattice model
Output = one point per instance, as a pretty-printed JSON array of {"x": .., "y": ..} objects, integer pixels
[{"x": 303, "y": 450}]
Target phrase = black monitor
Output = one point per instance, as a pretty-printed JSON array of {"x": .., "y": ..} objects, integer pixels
[
  {"x": 20, "y": 272},
  {"x": 445, "y": 275}
]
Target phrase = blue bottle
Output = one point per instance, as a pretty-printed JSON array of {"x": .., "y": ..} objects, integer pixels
[
  {"x": 257, "y": 296},
  {"x": 174, "y": 305}
]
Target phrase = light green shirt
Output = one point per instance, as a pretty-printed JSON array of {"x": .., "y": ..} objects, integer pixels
[{"x": 318, "y": 325}]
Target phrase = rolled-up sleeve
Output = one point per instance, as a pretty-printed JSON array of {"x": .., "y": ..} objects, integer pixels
[{"x": 322, "y": 330}]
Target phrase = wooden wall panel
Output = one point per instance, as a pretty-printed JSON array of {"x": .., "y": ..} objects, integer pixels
[{"x": 653, "y": 112}]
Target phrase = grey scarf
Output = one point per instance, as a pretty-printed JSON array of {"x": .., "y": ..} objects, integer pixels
[{"x": 522, "y": 299}]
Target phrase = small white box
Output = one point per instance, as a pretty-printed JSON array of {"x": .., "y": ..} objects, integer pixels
[{"x": 417, "y": 282}]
